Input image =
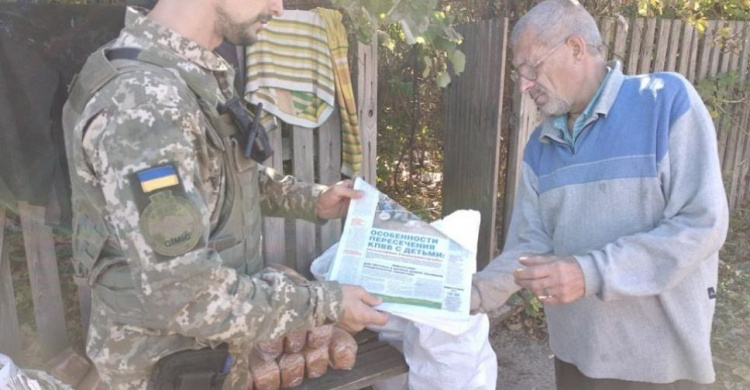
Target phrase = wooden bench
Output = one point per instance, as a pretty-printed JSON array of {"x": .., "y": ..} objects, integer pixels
[{"x": 309, "y": 155}]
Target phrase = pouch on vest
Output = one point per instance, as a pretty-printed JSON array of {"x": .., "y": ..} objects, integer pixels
[{"x": 203, "y": 369}]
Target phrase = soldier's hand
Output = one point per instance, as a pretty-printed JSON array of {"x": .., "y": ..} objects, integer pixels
[
  {"x": 334, "y": 200},
  {"x": 554, "y": 280},
  {"x": 358, "y": 311}
]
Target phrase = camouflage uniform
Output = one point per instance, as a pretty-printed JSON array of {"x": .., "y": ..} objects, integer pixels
[{"x": 167, "y": 216}]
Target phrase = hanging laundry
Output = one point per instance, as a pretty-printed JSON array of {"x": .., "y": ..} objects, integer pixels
[{"x": 298, "y": 69}]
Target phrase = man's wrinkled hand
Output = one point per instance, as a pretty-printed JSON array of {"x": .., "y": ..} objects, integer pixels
[
  {"x": 333, "y": 202},
  {"x": 358, "y": 311},
  {"x": 554, "y": 280}
]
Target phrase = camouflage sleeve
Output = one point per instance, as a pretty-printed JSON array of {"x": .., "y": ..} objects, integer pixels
[
  {"x": 182, "y": 283},
  {"x": 286, "y": 196}
]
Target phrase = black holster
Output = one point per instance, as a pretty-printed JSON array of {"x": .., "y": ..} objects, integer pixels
[{"x": 203, "y": 369}]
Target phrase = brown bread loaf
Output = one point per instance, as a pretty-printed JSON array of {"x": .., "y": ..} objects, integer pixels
[
  {"x": 292, "y": 367},
  {"x": 316, "y": 361},
  {"x": 294, "y": 341},
  {"x": 269, "y": 350},
  {"x": 342, "y": 350},
  {"x": 266, "y": 375},
  {"x": 320, "y": 336}
]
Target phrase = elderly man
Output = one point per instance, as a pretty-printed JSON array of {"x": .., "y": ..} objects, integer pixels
[
  {"x": 167, "y": 196},
  {"x": 620, "y": 213}
]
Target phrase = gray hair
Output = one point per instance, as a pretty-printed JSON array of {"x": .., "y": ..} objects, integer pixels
[{"x": 553, "y": 19}]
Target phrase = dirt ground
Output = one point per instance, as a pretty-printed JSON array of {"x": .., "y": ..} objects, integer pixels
[{"x": 523, "y": 363}]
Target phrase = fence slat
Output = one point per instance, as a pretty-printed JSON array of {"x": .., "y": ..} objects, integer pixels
[
  {"x": 715, "y": 49},
  {"x": 745, "y": 56},
  {"x": 725, "y": 55},
  {"x": 665, "y": 27},
  {"x": 367, "y": 107},
  {"x": 274, "y": 236},
  {"x": 10, "y": 335},
  {"x": 674, "y": 45},
  {"x": 635, "y": 46},
  {"x": 704, "y": 64},
  {"x": 329, "y": 156},
  {"x": 621, "y": 38},
  {"x": 476, "y": 103},
  {"x": 740, "y": 132},
  {"x": 648, "y": 47},
  {"x": 303, "y": 166},
  {"x": 693, "y": 69},
  {"x": 743, "y": 181},
  {"x": 734, "y": 61},
  {"x": 45, "y": 279},
  {"x": 686, "y": 51},
  {"x": 607, "y": 28}
]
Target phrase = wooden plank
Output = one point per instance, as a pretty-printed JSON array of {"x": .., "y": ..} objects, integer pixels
[
  {"x": 745, "y": 56},
  {"x": 303, "y": 166},
  {"x": 721, "y": 133},
  {"x": 274, "y": 238},
  {"x": 527, "y": 117},
  {"x": 367, "y": 107},
  {"x": 734, "y": 60},
  {"x": 665, "y": 29},
  {"x": 733, "y": 160},
  {"x": 693, "y": 63},
  {"x": 647, "y": 54},
  {"x": 744, "y": 163},
  {"x": 674, "y": 45},
  {"x": 706, "y": 44},
  {"x": 724, "y": 54},
  {"x": 607, "y": 31},
  {"x": 329, "y": 158},
  {"x": 45, "y": 280},
  {"x": 713, "y": 70},
  {"x": 621, "y": 38},
  {"x": 10, "y": 334},
  {"x": 473, "y": 116},
  {"x": 635, "y": 46}
]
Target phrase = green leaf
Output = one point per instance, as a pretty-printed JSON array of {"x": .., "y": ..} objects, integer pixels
[
  {"x": 443, "y": 79},
  {"x": 458, "y": 59}
]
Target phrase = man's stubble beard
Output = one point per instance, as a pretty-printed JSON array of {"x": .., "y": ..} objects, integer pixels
[
  {"x": 241, "y": 34},
  {"x": 555, "y": 105}
]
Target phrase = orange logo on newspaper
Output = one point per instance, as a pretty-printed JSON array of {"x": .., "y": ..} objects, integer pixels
[
  {"x": 357, "y": 221},
  {"x": 352, "y": 252}
]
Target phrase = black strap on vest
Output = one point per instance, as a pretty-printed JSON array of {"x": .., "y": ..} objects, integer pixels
[{"x": 257, "y": 145}]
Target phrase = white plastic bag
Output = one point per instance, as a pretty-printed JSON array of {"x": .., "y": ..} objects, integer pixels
[{"x": 13, "y": 378}]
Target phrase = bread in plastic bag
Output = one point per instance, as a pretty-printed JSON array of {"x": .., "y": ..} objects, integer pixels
[
  {"x": 270, "y": 349},
  {"x": 266, "y": 375},
  {"x": 294, "y": 341},
  {"x": 316, "y": 361},
  {"x": 342, "y": 350},
  {"x": 292, "y": 367},
  {"x": 319, "y": 336}
]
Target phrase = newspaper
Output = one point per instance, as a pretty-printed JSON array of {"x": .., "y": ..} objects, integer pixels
[{"x": 419, "y": 272}]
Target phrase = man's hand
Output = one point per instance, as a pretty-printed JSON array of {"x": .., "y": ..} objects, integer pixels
[
  {"x": 555, "y": 280},
  {"x": 334, "y": 200},
  {"x": 358, "y": 311}
]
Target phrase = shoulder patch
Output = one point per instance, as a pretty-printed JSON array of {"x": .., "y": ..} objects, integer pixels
[{"x": 170, "y": 223}]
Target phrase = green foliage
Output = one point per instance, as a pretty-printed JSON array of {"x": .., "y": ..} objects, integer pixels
[
  {"x": 719, "y": 91},
  {"x": 420, "y": 22}
]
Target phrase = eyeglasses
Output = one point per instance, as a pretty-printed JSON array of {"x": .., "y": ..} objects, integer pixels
[{"x": 528, "y": 71}]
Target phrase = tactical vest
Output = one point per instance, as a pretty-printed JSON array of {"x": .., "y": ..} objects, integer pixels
[{"x": 236, "y": 236}]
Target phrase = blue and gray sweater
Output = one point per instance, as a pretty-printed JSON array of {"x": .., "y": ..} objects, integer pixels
[{"x": 638, "y": 200}]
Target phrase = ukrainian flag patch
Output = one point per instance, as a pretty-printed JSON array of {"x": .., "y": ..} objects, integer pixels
[{"x": 157, "y": 178}]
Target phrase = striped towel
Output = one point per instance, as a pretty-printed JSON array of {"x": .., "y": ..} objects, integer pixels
[
  {"x": 294, "y": 70},
  {"x": 351, "y": 145}
]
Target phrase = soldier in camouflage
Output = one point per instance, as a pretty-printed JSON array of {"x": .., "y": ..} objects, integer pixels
[{"x": 167, "y": 209}]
